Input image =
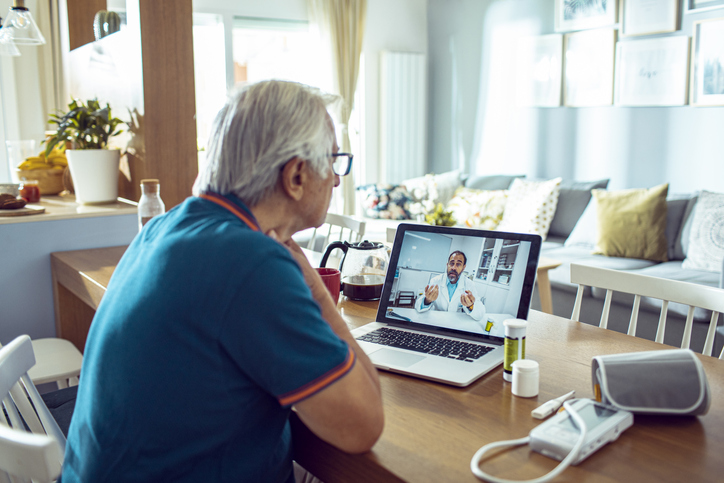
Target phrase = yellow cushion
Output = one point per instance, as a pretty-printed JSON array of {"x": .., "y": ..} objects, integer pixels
[{"x": 632, "y": 223}]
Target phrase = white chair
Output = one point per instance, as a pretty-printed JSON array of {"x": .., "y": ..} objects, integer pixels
[
  {"x": 27, "y": 453},
  {"x": 693, "y": 295},
  {"x": 337, "y": 228},
  {"x": 57, "y": 360}
]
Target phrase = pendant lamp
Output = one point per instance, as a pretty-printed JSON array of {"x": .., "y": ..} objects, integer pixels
[
  {"x": 7, "y": 46},
  {"x": 20, "y": 27}
]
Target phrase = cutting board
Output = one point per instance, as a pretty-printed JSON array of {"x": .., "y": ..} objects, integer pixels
[{"x": 27, "y": 210}]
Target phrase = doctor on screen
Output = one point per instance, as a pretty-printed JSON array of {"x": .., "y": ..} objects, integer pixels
[{"x": 450, "y": 292}]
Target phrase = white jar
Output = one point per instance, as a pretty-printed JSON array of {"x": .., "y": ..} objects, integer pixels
[{"x": 526, "y": 376}]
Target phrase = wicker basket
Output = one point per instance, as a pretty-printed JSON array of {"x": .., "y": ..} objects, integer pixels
[{"x": 50, "y": 181}]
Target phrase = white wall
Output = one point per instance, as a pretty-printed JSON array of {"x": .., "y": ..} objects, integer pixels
[{"x": 634, "y": 147}]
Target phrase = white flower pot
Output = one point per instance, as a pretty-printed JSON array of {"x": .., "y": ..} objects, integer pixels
[{"x": 95, "y": 174}]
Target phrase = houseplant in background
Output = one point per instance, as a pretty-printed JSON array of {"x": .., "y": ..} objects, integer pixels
[{"x": 85, "y": 130}]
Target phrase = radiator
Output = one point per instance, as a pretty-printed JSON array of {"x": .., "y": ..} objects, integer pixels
[{"x": 402, "y": 116}]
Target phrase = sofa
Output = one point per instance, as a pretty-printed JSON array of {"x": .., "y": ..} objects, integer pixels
[{"x": 571, "y": 238}]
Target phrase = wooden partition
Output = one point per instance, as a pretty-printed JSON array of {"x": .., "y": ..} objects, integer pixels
[{"x": 146, "y": 73}]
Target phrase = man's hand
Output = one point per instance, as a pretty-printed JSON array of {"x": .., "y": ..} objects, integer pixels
[
  {"x": 311, "y": 276},
  {"x": 467, "y": 299},
  {"x": 431, "y": 294}
]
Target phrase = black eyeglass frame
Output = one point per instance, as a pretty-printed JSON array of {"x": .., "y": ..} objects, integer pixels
[{"x": 349, "y": 156}]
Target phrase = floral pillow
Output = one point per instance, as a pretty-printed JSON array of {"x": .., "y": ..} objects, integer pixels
[
  {"x": 386, "y": 202},
  {"x": 478, "y": 208}
]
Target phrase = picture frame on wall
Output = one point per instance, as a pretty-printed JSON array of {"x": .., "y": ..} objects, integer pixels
[
  {"x": 646, "y": 17},
  {"x": 707, "y": 63},
  {"x": 539, "y": 71},
  {"x": 574, "y": 15},
  {"x": 652, "y": 72},
  {"x": 589, "y": 67},
  {"x": 696, "y": 6}
]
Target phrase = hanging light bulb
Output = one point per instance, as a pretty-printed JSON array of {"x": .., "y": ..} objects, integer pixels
[
  {"x": 20, "y": 27},
  {"x": 7, "y": 46}
]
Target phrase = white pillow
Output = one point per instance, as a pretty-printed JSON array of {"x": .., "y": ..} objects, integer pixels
[
  {"x": 585, "y": 233},
  {"x": 478, "y": 208},
  {"x": 531, "y": 206},
  {"x": 706, "y": 240}
]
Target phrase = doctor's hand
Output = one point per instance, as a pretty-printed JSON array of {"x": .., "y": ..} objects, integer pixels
[
  {"x": 431, "y": 294},
  {"x": 467, "y": 299}
]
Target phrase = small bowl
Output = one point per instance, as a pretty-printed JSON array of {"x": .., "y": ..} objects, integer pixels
[{"x": 50, "y": 181}]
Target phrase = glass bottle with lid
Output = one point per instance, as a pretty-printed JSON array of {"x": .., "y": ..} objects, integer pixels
[{"x": 150, "y": 203}]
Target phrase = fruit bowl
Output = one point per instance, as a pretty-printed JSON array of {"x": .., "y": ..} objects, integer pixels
[{"x": 50, "y": 181}]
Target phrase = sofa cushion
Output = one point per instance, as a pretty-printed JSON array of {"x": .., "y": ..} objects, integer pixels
[
  {"x": 491, "y": 182},
  {"x": 572, "y": 201},
  {"x": 632, "y": 223},
  {"x": 673, "y": 271},
  {"x": 706, "y": 241},
  {"x": 531, "y": 206},
  {"x": 561, "y": 277}
]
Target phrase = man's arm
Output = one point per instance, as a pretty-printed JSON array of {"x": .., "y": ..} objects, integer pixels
[
  {"x": 478, "y": 311},
  {"x": 347, "y": 414}
]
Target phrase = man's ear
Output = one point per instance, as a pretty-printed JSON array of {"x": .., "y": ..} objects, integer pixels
[{"x": 294, "y": 177}]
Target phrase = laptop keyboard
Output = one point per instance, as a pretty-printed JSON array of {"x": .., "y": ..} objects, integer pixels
[{"x": 428, "y": 344}]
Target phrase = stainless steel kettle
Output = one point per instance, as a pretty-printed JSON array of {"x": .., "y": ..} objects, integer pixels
[{"x": 363, "y": 268}]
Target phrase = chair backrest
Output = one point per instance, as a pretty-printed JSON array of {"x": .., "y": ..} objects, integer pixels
[
  {"x": 691, "y": 294},
  {"x": 338, "y": 228},
  {"x": 31, "y": 443}
]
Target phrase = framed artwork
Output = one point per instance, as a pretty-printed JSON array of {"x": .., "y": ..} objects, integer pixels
[
  {"x": 696, "y": 6},
  {"x": 584, "y": 14},
  {"x": 707, "y": 63},
  {"x": 644, "y": 17},
  {"x": 539, "y": 67},
  {"x": 589, "y": 68},
  {"x": 652, "y": 72}
]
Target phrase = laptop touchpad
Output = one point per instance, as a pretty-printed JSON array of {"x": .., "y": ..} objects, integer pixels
[{"x": 387, "y": 357}]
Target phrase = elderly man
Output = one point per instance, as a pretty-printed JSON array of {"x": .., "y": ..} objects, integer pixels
[
  {"x": 215, "y": 326},
  {"x": 450, "y": 292}
]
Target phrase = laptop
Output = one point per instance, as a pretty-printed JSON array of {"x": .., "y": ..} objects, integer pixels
[{"x": 453, "y": 332}]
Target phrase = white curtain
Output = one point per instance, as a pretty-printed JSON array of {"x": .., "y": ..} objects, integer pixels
[{"x": 341, "y": 24}]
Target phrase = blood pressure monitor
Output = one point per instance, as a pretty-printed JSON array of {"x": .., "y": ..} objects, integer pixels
[{"x": 556, "y": 437}]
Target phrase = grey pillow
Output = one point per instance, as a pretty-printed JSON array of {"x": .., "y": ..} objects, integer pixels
[
  {"x": 681, "y": 247},
  {"x": 492, "y": 182},
  {"x": 676, "y": 205},
  {"x": 572, "y": 201}
]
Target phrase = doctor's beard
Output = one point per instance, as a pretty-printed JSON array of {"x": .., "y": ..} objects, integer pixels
[{"x": 453, "y": 276}]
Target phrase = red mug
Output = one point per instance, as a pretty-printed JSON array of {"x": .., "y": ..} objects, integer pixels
[{"x": 331, "y": 278}]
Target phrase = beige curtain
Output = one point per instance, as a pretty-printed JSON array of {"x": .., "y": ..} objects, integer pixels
[{"x": 341, "y": 24}]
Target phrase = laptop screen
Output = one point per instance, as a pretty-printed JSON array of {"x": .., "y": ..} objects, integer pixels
[{"x": 459, "y": 280}]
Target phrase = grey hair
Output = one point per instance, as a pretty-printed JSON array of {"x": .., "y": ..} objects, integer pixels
[{"x": 260, "y": 128}]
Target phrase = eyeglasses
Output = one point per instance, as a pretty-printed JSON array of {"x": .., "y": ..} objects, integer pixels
[{"x": 342, "y": 163}]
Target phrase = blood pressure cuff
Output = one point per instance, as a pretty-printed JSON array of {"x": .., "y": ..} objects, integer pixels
[{"x": 657, "y": 382}]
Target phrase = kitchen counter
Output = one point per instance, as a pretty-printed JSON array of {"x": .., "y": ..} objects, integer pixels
[{"x": 65, "y": 208}]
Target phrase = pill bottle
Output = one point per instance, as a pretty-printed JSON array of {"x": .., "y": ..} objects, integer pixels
[{"x": 514, "y": 345}]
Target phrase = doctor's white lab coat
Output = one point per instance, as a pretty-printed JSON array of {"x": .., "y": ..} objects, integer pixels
[{"x": 453, "y": 304}]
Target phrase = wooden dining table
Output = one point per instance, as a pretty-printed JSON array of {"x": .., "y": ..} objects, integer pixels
[{"x": 432, "y": 430}]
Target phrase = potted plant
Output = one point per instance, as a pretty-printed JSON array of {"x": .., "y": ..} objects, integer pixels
[{"x": 85, "y": 130}]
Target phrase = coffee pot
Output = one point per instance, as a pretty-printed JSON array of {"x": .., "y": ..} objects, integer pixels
[{"x": 363, "y": 268}]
